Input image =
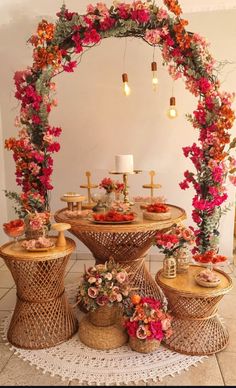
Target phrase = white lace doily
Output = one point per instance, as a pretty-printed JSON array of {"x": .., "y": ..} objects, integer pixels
[{"x": 74, "y": 360}]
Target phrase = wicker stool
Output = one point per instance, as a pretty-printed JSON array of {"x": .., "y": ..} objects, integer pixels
[
  {"x": 42, "y": 317},
  {"x": 197, "y": 328}
]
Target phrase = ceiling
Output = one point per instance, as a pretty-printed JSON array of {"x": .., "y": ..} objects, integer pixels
[{"x": 205, "y": 5}]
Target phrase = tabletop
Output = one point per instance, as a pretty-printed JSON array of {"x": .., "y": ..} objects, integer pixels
[
  {"x": 177, "y": 215},
  {"x": 7, "y": 251},
  {"x": 184, "y": 284}
]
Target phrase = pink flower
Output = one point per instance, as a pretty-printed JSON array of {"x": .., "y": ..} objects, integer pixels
[
  {"x": 92, "y": 280},
  {"x": 69, "y": 68},
  {"x": 121, "y": 277},
  {"x": 91, "y": 37},
  {"x": 152, "y": 36},
  {"x": 141, "y": 332},
  {"x": 232, "y": 179},
  {"x": 48, "y": 138},
  {"x": 36, "y": 119},
  {"x": 92, "y": 292}
]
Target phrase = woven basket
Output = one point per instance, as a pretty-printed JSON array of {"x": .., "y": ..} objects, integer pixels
[
  {"x": 31, "y": 234},
  {"x": 143, "y": 346},
  {"x": 102, "y": 338},
  {"x": 104, "y": 315}
]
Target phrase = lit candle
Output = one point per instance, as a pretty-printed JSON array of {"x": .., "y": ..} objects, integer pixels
[{"x": 124, "y": 163}]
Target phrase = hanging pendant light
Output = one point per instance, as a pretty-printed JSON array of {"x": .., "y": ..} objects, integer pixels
[
  {"x": 172, "y": 112},
  {"x": 154, "y": 75},
  {"x": 126, "y": 88}
]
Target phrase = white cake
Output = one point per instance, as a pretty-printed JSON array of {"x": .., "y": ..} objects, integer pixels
[{"x": 124, "y": 163}]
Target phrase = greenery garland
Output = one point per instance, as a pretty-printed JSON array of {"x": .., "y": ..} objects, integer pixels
[{"x": 55, "y": 49}]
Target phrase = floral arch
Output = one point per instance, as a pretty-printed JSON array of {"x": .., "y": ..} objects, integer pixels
[{"x": 186, "y": 55}]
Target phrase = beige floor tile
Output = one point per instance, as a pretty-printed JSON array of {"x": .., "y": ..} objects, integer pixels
[
  {"x": 3, "y": 314},
  {"x": 79, "y": 265},
  {"x": 9, "y": 300},
  {"x": 204, "y": 374},
  {"x": 73, "y": 277},
  {"x": 6, "y": 279},
  {"x": 227, "y": 307},
  {"x": 5, "y": 355},
  {"x": 18, "y": 372},
  {"x": 3, "y": 291},
  {"x": 227, "y": 362},
  {"x": 231, "y": 326},
  {"x": 84, "y": 256}
]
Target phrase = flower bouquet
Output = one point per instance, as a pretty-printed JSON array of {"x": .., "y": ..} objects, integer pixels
[
  {"x": 111, "y": 186},
  {"x": 176, "y": 248},
  {"x": 102, "y": 291},
  {"x": 146, "y": 323}
]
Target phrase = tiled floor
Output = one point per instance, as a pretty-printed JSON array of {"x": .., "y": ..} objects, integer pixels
[{"x": 217, "y": 370}]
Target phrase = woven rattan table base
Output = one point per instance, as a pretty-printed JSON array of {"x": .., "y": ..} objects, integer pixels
[
  {"x": 197, "y": 328},
  {"x": 42, "y": 317},
  {"x": 198, "y": 338}
]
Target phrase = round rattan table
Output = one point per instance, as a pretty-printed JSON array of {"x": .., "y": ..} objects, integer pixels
[
  {"x": 42, "y": 317},
  {"x": 127, "y": 244},
  {"x": 197, "y": 328}
]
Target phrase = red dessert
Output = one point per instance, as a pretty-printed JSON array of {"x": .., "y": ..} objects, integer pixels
[
  {"x": 14, "y": 228},
  {"x": 113, "y": 216},
  {"x": 157, "y": 207}
]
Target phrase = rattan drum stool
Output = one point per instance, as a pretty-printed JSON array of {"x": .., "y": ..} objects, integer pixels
[
  {"x": 196, "y": 326},
  {"x": 42, "y": 317}
]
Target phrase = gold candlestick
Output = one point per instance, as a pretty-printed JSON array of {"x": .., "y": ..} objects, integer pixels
[
  {"x": 152, "y": 185},
  {"x": 125, "y": 181},
  {"x": 89, "y": 186}
]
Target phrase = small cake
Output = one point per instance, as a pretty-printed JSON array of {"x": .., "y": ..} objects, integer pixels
[{"x": 157, "y": 212}]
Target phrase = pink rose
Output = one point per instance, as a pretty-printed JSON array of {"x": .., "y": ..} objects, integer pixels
[
  {"x": 92, "y": 292},
  {"x": 165, "y": 324},
  {"x": 121, "y": 277},
  {"x": 141, "y": 332},
  {"x": 92, "y": 280}
]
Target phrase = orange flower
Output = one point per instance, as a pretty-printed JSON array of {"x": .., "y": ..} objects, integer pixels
[{"x": 135, "y": 299}]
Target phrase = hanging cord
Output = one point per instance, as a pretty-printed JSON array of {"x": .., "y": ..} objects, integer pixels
[
  {"x": 124, "y": 56},
  {"x": 153, "y": 54}
]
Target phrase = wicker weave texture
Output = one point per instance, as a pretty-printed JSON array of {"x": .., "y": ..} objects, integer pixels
[
  {"x": 121, "y": 246},
  {"x": 100, "y": 337},
  {"x": 104, "y": 315},
  {"x": 143, "y": 346},
  {"x": 199, "y": 337},
  {"x": 42, "y": 317},
  {"x": 197, "y": 329}
]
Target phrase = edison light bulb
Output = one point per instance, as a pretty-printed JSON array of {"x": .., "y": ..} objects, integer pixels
[
  {"x": 154, "y": 75},
  {"x": 172, "y": 112},
  {"x": 126, "y": 87}
]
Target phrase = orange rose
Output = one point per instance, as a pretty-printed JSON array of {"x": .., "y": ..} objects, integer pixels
[{"x": 135, "y": 299}]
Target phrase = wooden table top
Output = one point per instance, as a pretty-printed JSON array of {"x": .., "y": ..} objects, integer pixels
[
  {"x": 7, "y": 251},
  {"x": 184, "y": 284},
  {"x": 177, "y": 215}
]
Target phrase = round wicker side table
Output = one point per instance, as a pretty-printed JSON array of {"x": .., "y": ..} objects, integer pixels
[
  {"x": 42, "y": 317},
  {"x": 196, "y": 325}
]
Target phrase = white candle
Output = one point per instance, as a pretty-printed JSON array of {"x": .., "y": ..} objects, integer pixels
[{"x": 124, "y": 163}]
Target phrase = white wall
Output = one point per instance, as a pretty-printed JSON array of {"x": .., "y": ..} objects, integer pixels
[
  {"x": 98, "y": 121},
  {"x": 3, "y": 202}
]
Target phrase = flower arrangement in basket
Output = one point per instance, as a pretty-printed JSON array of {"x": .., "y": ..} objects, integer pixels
[
  {"x": 36, "y": 224},
  {"x": 146, "y": 322},
  {"x": 102, "y": 291}
]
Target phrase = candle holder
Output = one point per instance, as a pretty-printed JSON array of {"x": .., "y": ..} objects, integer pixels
[{"x": 125, "y": 181}]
